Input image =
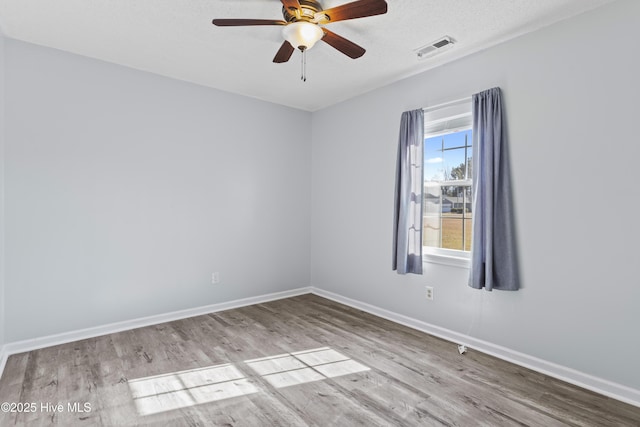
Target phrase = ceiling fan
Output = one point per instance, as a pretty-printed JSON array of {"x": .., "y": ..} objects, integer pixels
[{"x": 304, "y": 21}]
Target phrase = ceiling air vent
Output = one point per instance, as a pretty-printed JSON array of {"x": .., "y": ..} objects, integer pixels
[{"x": 437, "y": 46}]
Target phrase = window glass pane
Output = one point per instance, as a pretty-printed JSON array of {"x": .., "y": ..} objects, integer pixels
[
  {"x": 448, "y": 157},
  {"x": 454, "y": 140},
  {"x": 447, "y": 218},
  {"x": 433, "y": 159},
  {"x": 432, "y": 209},
  {"x": 467, "y": 234}
]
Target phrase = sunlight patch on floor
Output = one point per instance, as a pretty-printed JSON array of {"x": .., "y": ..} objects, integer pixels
[
  {"x": 187, "y": 388},
  {"x": 183, "y": 389},
  {"x": 300, "y": 367}
]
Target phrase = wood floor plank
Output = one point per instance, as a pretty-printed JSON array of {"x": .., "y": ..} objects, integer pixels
[{"x": 302, "y": 361}]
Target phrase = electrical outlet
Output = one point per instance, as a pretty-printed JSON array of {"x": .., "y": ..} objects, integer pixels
[
  {"x": 429, "y": 292},
  {"x": 215, "y": 278}
]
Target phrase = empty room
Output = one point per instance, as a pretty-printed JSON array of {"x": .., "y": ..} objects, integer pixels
[{"x": 319, "y": 213}]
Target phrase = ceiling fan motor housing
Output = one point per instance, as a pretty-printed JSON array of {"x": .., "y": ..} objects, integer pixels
[{"x": 308, "y": 12}]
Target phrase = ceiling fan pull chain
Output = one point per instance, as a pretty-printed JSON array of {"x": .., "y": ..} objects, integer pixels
[{"x": 303, "y": 72}]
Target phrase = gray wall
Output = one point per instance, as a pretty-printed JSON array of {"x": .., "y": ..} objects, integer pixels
[
  {"x": 2, "y": 300},
  {"x": 126, "y": 190},
  {"x": 571, "y": 93}
]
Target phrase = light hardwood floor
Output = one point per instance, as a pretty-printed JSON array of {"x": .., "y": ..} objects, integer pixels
[{"x": 293, "y": 362}]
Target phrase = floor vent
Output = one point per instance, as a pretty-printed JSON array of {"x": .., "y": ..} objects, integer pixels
[{"x": 437, "y": 46}]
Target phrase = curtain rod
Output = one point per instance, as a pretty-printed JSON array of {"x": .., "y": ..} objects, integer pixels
[{"x": 446, "y": 104}]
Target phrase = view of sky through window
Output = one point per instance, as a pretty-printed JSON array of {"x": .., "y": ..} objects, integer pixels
[{"x": 440, "y": 157}]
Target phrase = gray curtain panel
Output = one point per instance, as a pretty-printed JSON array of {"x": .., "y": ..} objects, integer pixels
[
  {"x": 407, "y": 222},
  {"x": 493, "y": 248}
]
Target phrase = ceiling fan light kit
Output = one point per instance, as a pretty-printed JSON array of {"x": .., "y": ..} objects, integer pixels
[
  {"x": 303, "y": 26},
  {"x": 302, "y": 35}
]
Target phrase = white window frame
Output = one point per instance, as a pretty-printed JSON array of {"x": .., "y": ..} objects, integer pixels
[{"x": 441, "y": 120}]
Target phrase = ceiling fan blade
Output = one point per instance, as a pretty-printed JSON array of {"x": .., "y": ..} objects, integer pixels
[
  {"x": 356, "y": 9},
  {"x": 291, "y": 4},
  {"x": 345, "y": 46},
  {"x": 284, "y": 53},
  {"x": 243, "y": 22}
]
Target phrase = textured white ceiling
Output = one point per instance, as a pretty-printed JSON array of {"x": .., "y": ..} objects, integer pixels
[{"x": 175, "y": 38}]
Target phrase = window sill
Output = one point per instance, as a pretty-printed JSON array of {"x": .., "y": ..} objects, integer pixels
[{"x": 448, "y": 260}]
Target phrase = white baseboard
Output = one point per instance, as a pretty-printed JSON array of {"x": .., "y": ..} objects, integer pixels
[
  {"x": 3, "y": 359},
  {"x": 66, "y": 337},
  {"x": 572, "y": 376}
]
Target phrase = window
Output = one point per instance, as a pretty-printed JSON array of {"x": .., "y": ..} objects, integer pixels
[{"x": 447, "y": 204}]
